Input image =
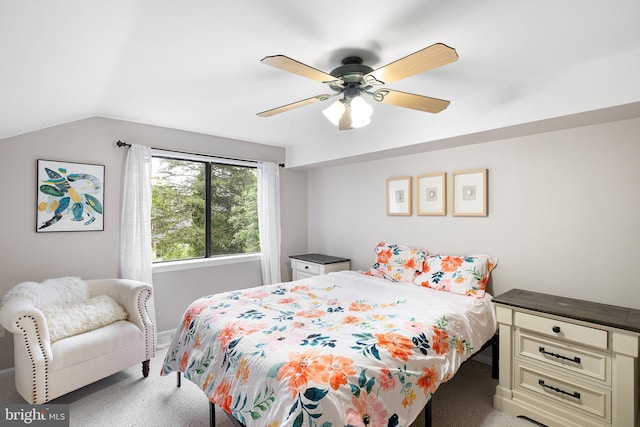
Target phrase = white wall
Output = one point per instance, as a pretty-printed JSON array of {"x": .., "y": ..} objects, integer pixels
[
  {"x": 563, "y": 211},
  {"x": 30, "y": 256}
]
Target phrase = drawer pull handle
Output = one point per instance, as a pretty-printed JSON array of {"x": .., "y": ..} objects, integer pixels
[
  {"x": 575, "y": 394},
  {"x": 556, "y": 329},
  {"x": 306, "y": 267},
  {"x": 559, "y": 356}
]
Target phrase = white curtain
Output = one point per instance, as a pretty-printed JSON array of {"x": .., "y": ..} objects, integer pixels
[
  {"x": 135, "y": 221},
  {"x": 269, "y": 221}
]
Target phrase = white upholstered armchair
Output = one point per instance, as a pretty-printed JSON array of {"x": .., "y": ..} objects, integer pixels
[{"x": 74, "y": 339}]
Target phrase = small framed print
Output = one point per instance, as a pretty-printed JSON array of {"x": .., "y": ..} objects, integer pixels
[
  {"x": 399, "y": 196},
  {"x": 70, "y": 196},
  {"x": 431, "y": 194},
  {"x": 470, "y": 193}
]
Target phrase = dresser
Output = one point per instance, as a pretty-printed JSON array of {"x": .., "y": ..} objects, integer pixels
[
  {"x": 567, "y": 362},
  {"x": 308, "y": 265}
]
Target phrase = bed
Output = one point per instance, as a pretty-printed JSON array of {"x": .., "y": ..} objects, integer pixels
[{"x": 342, "y": 349}]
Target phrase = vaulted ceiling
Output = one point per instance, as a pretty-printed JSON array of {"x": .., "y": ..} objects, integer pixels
[{"x": 525, "y": 66}]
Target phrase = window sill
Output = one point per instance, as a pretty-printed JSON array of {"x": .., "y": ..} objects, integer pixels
[{"x": 163, "y": 267}]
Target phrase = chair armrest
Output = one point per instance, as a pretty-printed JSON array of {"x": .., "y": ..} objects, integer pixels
[
  {"x": 20, "y": 316},
  {"x": 128, "y": 293},
  {"x": 133, "y": 295}
]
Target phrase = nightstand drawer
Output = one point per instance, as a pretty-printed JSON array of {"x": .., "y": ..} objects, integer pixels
[
  {"x": 573, "y": 358},
  {"x": 307, "y": 267},
  {"x": 565, "y": 392},
  {"x": 562, "y": 330}
]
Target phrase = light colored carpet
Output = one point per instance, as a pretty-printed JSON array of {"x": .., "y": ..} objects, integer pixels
[{"x": 127, "y": 399}]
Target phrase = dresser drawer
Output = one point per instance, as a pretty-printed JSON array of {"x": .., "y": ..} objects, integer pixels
[
  {"x": 573, "y": 358},
  {"x": 564, "y": 391},
  {"x": 562, "y": 330},
  {"x": 308, "y": 267}
]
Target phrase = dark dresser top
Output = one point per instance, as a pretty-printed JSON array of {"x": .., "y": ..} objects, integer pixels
[
  {"x": 593, "y": 312},
  {"x": 319, "y": 258}
]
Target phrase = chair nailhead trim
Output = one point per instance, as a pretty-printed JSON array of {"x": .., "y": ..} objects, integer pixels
[
  {"x": 33, "y": 364},
  {"x": 143, "y": 297}
]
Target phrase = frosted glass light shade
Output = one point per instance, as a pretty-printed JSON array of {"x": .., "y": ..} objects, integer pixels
[
  {"x": 334, "y": 112},
  {"x": 360, "y": 112}
]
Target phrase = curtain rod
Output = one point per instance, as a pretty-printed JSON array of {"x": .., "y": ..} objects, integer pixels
[{"x": 125, "y": 144}]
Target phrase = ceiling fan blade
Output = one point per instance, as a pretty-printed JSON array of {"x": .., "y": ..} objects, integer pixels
[
  {"x": 423, "y": 60},
  {"x": 291, "y": 65},
  {"x": 296, "y": 104},
  {"x": 410, "y": 100},
  {"x": 345, "y": 119}
]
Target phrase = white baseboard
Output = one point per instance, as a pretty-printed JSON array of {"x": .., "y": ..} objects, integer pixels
[
  {"x": 5, "y": 373},
  {"x": 164, "y": 338},
  {"x": 483, "y": 358}
]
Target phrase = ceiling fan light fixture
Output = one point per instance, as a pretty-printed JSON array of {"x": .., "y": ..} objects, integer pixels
[
  {"x": 334, "y": 111},
  {"x": 360, "y": 112}
]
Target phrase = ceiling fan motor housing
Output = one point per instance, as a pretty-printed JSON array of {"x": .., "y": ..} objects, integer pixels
[{"x": 351, "y": 72}]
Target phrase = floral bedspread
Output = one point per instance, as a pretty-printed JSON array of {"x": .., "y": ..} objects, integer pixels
[{"x": 343, "y": 349}]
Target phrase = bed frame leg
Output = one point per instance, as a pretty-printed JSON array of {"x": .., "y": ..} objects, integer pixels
[
  {"x": 495, "y": 362},
  {"x": 212, "y": 414},
  {"x": 178, "y": 383},
  {"x": 427, "y": 413},
  {"x": 145, "y": 368}
]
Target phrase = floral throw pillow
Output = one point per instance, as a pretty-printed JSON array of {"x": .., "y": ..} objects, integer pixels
[
  {"x": 467, "y": 275},
  {"x": 397, "y": 263}
]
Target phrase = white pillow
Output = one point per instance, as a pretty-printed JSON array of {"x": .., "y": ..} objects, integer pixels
[{"x": 65, "y": 320}]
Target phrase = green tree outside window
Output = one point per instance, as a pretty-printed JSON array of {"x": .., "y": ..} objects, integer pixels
[{"x": 179, "y": 209}]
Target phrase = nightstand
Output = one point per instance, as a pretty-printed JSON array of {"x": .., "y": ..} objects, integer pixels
[
  {"x": 308, "y": 265},
  {"x": 567, "y": 362}
]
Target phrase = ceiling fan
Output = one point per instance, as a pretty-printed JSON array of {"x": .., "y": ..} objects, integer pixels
[{"x": 352, "y": 79}]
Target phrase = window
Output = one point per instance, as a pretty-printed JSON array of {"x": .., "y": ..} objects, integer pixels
[{"x": 202, "y": 209}]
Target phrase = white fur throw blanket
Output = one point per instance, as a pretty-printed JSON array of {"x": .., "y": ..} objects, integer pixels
[
  {"x": 63, "y": 290},
  {"x": 65, "y": 320},
  {"x": 66, "y": 306}
]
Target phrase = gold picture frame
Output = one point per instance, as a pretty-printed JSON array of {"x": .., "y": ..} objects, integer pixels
[
  {"x": 399, "y": 199},
  {"x": 469, "y": 196},
  {"x": 431, "y": 194}
]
